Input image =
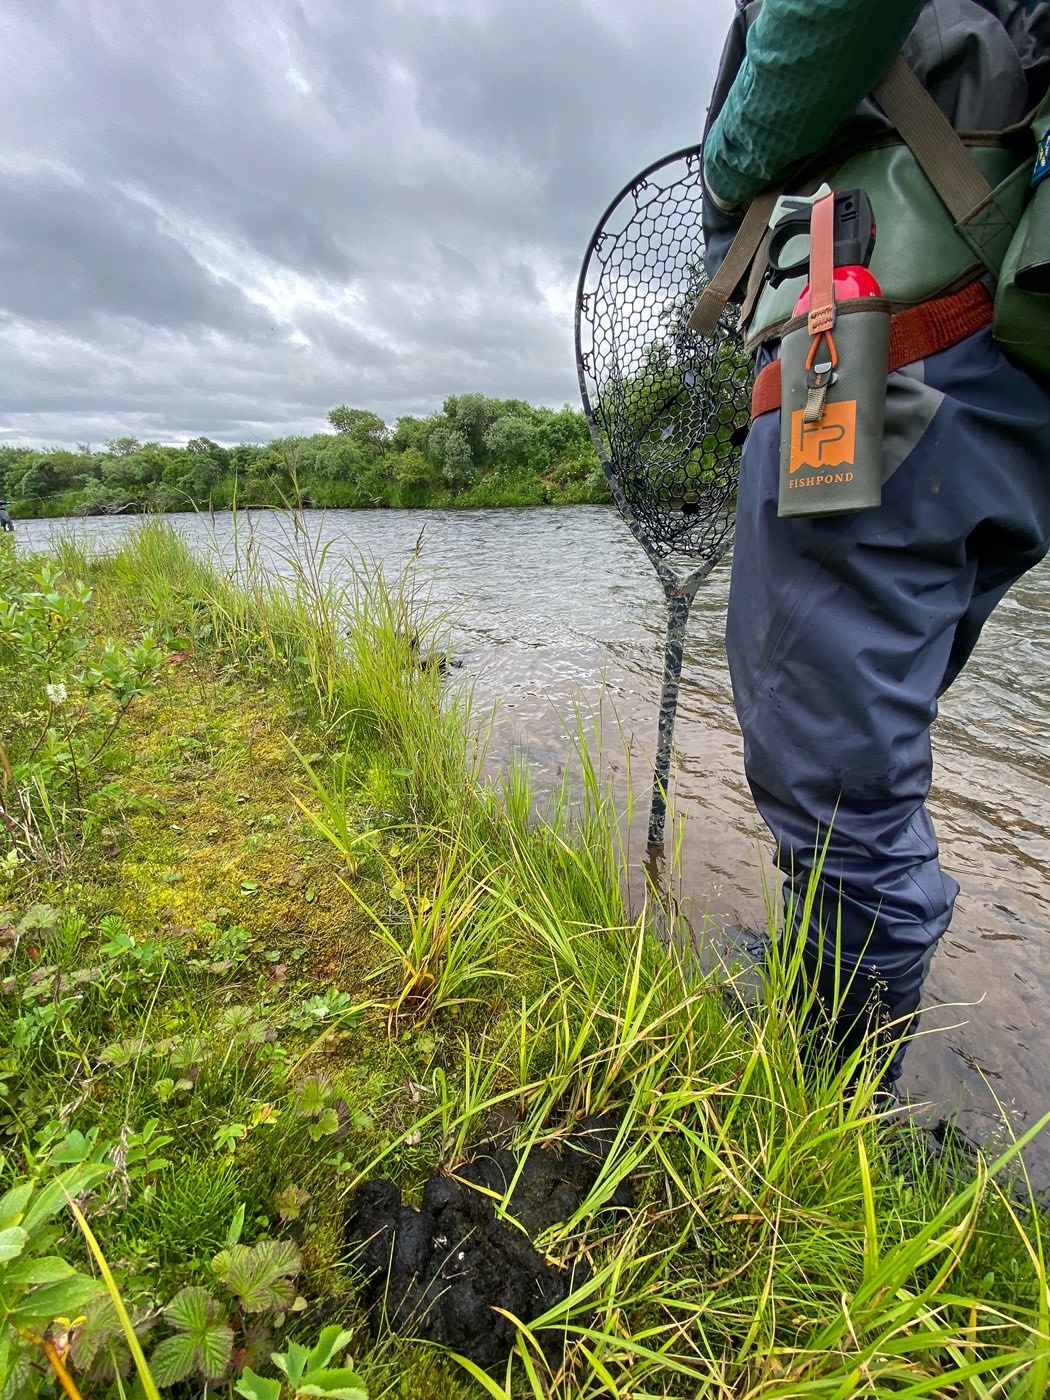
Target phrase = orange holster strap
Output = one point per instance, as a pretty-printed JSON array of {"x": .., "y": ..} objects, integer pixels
[
  {"x": 822, "y": 266},
  {"x": 915, "y": 333}
]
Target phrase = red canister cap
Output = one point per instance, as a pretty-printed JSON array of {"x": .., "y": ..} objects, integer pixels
[{"x": 850, "y": 281}]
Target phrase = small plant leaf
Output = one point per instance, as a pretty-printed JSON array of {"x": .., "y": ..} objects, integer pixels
[
  {"x": 280, "y": 1257},
  {"x": 192, "y": 1309},
  {"x": 122, "y": 1053},
  {"x": 13, "y": 1203},
  {"x": 292, "y": 1362},
  {"x": 255, "y": 1387},
  {"x": 228, "y": 1260},
  {"x": 233, "y": 1234},
  {"x": 12, "y": 1241},
  {"x": 289, "y": 1202},
  {"x": 192, "y": 1051},
  {"x": 63, "y": 1299},
  {"x": 260, "y": 1277},
  {"x": 76, "y": 1147},
  {"x": 235, "y": 1020},
  {"x": 173, "y": 1359},
  {"x": 325, "y": 1125},
  {"x": 101, "y": 1334},
  {"x": 338, "y": 1385},
  {"x": 312, "y": 1096},
  {"x": 215, "y": 1350},
  {"x": 206, "y": 1343},
  {"x": 27, "y": 1273},
  {"x": 57, "y": 1193},
  {"x": 330, "y": 1343}
]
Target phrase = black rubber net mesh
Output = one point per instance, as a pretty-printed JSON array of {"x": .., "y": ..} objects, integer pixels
[{"x": 668, "y": 409}]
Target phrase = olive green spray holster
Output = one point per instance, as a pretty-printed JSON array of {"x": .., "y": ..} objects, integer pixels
[{"x": 831, "y": 446}]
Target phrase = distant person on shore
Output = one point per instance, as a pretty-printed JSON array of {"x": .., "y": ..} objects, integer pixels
[
  {"x": 844, "y": 628},
  {"x": 6, "y": 523}
]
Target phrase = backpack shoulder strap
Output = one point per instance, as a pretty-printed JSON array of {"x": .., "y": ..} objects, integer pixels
[
  {"x": 932, "y": 140},
  {"x": 736, "y": 263}
]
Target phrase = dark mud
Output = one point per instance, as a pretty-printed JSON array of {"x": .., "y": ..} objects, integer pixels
[{"x": 439, "y": 1271}]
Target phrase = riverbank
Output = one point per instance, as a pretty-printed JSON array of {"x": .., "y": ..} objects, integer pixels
[
  {"x": 269, "y": 937},
  {"x": 506, "y": 491},
  {"x": 476, "y": 452}
]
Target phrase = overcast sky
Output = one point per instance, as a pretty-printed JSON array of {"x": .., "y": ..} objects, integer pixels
[{"x": 224, "y": 217}]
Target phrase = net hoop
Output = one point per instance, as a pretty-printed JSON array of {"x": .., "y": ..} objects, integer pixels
[{"x": 667, "y": 409}]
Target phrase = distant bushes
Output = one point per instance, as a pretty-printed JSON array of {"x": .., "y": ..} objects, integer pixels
[{"x": 476, "y": 451}]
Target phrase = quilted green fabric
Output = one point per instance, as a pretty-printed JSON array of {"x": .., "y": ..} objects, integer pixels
[{"x": 808, "y": 64}]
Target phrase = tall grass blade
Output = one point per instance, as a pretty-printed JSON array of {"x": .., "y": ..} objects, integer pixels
[{"x": 146, "y": 1380}]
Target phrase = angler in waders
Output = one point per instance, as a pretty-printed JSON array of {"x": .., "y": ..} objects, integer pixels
[{"x": 896, "y": 478}]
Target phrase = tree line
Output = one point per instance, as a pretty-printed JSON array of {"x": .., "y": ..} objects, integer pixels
[{"x": 476, "y": 451}]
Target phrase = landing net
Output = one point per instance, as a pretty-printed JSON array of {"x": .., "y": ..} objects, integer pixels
[{"x": 667, "y": 408}]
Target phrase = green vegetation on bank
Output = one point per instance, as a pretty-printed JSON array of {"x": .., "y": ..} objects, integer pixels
[
  {"x": 265, "y": 934},
  {"x": 476, "y": 452}
]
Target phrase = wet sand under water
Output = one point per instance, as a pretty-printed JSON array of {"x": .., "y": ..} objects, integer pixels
[{"x": 552, "y": 608}]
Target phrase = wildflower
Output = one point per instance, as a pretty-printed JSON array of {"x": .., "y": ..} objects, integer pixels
[{"x": 56, "y": 693}]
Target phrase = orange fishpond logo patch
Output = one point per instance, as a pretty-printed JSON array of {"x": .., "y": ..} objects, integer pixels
[{"x": 829, "y": 443}]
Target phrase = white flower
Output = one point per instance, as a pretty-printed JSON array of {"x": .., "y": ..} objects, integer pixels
[{"x": 56, "y": 693}]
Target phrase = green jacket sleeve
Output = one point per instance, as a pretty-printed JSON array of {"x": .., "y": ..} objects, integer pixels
[{"x": 808, "y": 64}]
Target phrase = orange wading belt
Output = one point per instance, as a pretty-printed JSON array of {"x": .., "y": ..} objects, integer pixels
[{"x": 915, "y": 333}]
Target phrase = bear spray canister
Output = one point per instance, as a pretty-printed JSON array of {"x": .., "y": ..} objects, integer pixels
[{"x": 834, "y": 359}]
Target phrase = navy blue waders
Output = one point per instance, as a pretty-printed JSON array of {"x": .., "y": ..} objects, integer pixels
[{"x": 843, "y": 631}]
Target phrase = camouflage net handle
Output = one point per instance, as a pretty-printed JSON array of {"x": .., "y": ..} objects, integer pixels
[{"x": 667, "y": 409}]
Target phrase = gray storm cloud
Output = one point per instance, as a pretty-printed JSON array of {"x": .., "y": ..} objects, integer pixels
[{"x": 224, "y": 218}]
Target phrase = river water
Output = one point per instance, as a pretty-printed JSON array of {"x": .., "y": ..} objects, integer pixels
[{"x": 554, "y": 609}]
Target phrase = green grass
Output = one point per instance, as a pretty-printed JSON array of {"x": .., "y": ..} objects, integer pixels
[{"x": 312, "y": 946}]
